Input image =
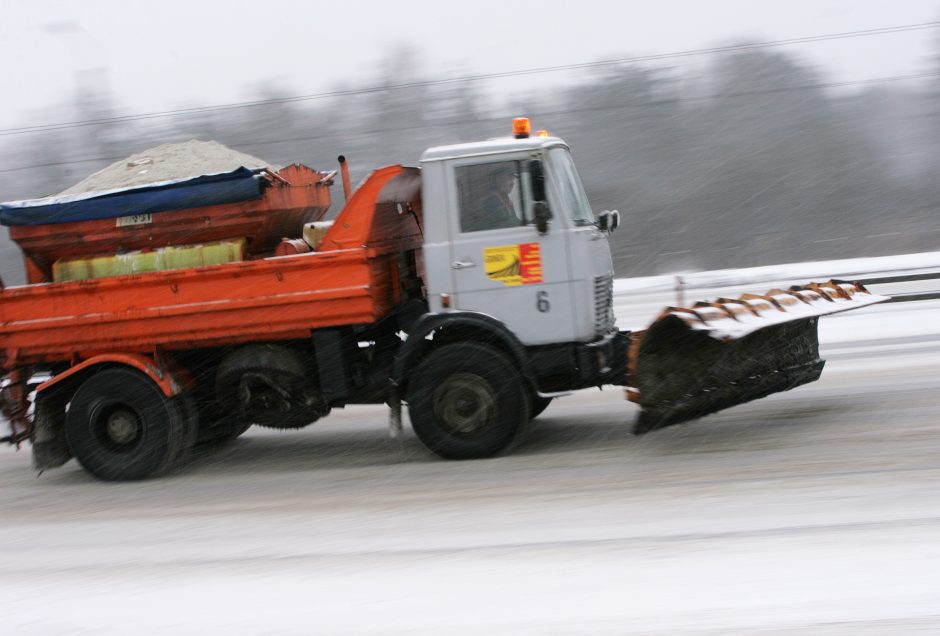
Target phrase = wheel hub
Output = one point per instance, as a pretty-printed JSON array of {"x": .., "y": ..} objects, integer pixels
[
  {"x": 122, "y": 426},
  {"x": 465, "y": 403}
]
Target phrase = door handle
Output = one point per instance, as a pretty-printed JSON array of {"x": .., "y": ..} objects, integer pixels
[{"x": 462, "y": 264}]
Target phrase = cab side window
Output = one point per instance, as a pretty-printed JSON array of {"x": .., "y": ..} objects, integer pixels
[{"x": 490, "y": 196}]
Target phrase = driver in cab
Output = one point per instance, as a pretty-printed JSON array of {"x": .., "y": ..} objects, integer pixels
[{"x": 495, "y": 208}]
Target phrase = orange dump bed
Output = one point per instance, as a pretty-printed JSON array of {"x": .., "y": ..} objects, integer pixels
[{"x": 351, "y": 278}]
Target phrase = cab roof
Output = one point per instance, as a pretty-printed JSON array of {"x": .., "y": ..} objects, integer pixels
[{"x": 490, "y": 147}]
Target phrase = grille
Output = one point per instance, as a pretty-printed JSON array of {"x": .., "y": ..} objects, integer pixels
[{"x": 603, "y": 304}]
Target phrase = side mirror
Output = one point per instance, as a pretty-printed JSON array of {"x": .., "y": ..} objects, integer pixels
[
  {"x": 608, "y": 221},
  {"x": 540, "y": 202},
  {"x": 537, "y": 175},
  {"x": 542, "y": 216}
]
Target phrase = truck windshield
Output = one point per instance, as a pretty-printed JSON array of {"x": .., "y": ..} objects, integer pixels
[{"x": 569, "y": 186}]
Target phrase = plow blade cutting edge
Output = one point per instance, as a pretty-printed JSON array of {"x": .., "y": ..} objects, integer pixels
[{"x": 694, "y": 361}]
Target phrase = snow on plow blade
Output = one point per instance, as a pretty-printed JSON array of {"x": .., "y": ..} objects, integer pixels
[{"x": 694, "y": 361}]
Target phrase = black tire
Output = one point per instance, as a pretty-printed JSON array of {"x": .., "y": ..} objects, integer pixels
[
  {"x": 120, "y": 426},
  {"x": 214, "y": 426},
  {"x": 467, "y": 401},
  {"x": 236, "y": 430},
  {"x": 220, "y": 430},
  {"x": 537, "y": 405},
  {"x": 280, "y": 364}
]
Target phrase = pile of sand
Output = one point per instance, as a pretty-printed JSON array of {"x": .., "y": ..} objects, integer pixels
[{"x": 166, "y": 163}]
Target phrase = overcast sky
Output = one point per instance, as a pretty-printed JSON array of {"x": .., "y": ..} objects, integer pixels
[{"x": 174, "y": 53}]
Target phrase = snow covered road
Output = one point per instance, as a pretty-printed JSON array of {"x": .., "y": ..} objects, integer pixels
[{"x": 817, "y": 509}]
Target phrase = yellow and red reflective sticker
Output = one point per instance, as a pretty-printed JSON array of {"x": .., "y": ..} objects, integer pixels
[{"x": 519, "y": 264}]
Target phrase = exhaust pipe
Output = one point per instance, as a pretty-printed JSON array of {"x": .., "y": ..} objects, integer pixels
[{"x": 344, "y": 172}]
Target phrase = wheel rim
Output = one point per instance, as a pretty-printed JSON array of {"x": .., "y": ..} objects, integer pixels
[
  {"x": 117, "y": 427},
  {"x": 465, "y": 404}
]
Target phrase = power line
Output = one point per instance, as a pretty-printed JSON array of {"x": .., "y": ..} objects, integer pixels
[
  {"x": 475, "y": 78},
  {"x": 565, "y": 111}
]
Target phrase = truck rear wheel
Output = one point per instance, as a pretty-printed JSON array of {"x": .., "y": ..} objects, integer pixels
[
  {"x": 120, "y": 426},
  {"x": 466, "y": 401}
]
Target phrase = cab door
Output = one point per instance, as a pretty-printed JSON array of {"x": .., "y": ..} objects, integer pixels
[{"x": 500, "y": 264}]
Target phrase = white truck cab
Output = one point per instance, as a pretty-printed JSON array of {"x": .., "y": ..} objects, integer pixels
[
  {"x": 518, "y": 289},
  {"x": 486, "y": 250}
]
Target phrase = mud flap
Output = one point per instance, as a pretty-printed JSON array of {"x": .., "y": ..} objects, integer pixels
[
  {"x": 695, "y": 361},
  {"x": 50, "y": 449}
]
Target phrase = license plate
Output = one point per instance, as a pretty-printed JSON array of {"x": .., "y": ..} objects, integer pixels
[{"x": 134, "y": 219}]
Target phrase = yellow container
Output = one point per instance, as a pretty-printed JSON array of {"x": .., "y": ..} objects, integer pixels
[
  {"x": 71, "y": 270},
  {"x": 163, "y": 259}
]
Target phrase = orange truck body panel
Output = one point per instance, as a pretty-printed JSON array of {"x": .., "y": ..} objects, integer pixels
[{"x": 349, "y": 279}]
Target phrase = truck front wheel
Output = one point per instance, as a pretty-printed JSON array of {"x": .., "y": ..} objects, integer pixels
[
  {"x": 466, "y": 401},
  {"x": 120, "y": 426}
]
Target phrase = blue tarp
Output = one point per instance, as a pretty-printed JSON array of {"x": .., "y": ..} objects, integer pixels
[{"x": 214, "y": 189}]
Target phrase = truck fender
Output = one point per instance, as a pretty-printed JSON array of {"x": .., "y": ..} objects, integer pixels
[
  {"x": 161, "y": 376},
  {"x": 48, "y": 432},
  {"x": 464, "y": 325}
]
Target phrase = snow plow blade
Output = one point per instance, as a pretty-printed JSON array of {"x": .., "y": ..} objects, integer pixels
[{"x": 694, "y": 361}]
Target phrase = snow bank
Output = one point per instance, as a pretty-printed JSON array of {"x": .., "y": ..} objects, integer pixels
[{"x": 793, "y": 272}]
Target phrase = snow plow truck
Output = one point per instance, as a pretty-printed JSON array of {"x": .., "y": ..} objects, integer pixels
[{"x": 473, "y": 289}]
